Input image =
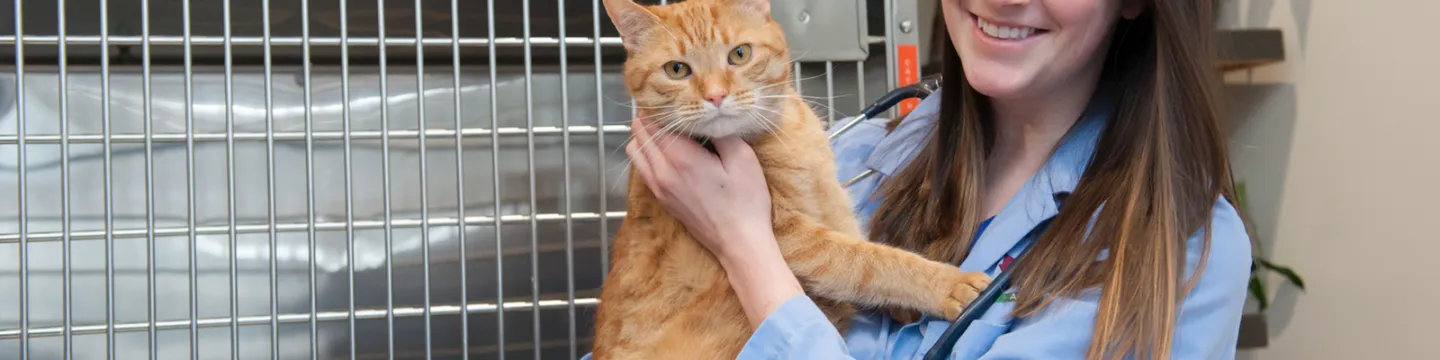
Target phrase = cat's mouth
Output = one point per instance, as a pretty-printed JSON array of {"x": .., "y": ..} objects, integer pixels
[
  {"x": 745, "y": 115},
  {"x": 728, "y": 123}
]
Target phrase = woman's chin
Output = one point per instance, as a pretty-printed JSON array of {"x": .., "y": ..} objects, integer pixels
[{"x": 999, "y": 84}]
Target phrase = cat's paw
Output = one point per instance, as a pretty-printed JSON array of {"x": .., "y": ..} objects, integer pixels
[{"x": 963, "y": 288}]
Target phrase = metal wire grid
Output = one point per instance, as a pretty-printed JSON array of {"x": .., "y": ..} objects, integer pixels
[{"x": 192, "y": 261}]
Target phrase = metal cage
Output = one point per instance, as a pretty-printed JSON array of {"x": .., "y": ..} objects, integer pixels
[{"x": 264, "y": 179}]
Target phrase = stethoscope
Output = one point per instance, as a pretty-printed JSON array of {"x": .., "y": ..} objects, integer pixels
[
  {"x": 946, "y": 344},
  {"x": 982, "y": 303}
]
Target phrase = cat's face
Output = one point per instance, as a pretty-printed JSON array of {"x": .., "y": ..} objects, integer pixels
[{"x": 708, "y": 68}]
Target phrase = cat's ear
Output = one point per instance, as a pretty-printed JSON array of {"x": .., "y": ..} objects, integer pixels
[
  {"x": 761, "y": 7},
  {"x": 632, "y": 20}
]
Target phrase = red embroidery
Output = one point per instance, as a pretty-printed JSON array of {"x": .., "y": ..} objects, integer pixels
[{"x": 1005, "y": 262}]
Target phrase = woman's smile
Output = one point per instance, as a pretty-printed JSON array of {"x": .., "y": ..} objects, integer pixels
[{"x": 1005, "y": 32}]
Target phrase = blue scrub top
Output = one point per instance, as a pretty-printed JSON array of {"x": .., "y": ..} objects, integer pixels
[{"x": 1209, "y": 318}]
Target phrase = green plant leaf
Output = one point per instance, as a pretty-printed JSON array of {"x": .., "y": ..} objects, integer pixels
[
  {"x": 1285, "y": 271},
  {"x": 1241, "y": 196},
  {"x": 1257, "y": 290}
]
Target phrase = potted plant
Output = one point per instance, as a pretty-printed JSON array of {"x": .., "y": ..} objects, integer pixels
[{"x": 1254, "y": 331}]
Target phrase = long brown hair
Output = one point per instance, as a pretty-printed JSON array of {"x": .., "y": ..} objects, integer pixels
[{"x": 1159, "y": 167}]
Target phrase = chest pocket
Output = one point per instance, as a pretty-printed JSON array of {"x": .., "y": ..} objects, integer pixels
[
  {"x": 978, "y": 338},
  {"x": 981, "y": 334}
]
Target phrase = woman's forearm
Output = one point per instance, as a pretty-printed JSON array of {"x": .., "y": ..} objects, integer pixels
[{"x": 761, "y": 278}]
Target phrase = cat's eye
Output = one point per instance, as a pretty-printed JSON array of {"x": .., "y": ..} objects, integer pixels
[
  {"x": 740, "y": 54},
  {"x": 677, "y": 70}
]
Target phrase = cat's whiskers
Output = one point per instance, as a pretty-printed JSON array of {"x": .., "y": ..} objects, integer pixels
[
  {"x": 767, "y": 119},
  {"x": 675, "y": 121},
  {"x": 761, "y": 88},
  {"x": 669, "y": 127},
  {"x": 777, "y": 113},
  {"x": 663, "y": 117},
  {"x": 795, "y": 59},
  {"x": 795, "y": 80},
  {"x": 625, "y": 168},
  {"x": 770, "y": 127},
  {"x": 808, "y": 102},
  {"x": 770, "y": 86},
  {"x": 674, "y": 128},
  {"x": 817, "y": 97}
]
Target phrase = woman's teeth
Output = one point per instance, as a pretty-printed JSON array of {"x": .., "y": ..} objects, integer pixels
[{"x": 1005, "y": 32}]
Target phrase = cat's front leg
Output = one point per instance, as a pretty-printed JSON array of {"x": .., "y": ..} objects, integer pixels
[{"x": 847, "y": 268}]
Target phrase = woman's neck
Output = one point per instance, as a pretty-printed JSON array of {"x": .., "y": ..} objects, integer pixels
[
  {"x": 1033, "y": 126},
  {"x": 1026, "y": 132}
]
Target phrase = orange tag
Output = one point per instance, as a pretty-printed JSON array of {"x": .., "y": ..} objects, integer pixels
[{"x": 908, "y": 72}]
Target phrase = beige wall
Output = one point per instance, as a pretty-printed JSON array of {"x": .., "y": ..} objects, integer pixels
[{"x": 1339, "y": 147}]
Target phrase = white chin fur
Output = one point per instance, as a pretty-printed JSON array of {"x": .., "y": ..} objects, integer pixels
[{"x": 726, "y": 125}]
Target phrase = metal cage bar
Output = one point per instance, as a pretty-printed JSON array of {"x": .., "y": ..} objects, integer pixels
[
  {"x": 65, "y": 223},
  {"x": 21, "y": 188},
  {"x": 241, "y": 187},
  {"x": 459, "y": 191},
  {"x": 350, "y": 175},
  {"x": 230, "y": 186}
]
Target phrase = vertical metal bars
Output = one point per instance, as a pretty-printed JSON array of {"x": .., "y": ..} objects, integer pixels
[
  {"x": 600, "y": 145},
  {"x": 270, "y": 183},
  {"x": 385, "y": 185},
  {"x": 310, "y": 237},
  {"x": 22, "y": 197},
  {"x": 150, "y": 246},
  {"x": 495, "y": 178},
  {"x": 890, "y": 53},
  {"x": 424, "y": 189},
  {"x": 66, "y": 226},
  {"x": 349, "y": 172},
  {"x": 568, "y": 210},
  {"x": 799, "y": 82},
  {"x": 530, "y": 165},
  {"x": 830, "y": 92},
  {"x": 230, "y": 188},
  {"x": 459, "y": 179},
  {"x": 191, "y": 240},
  {"x": 860, "y": 98},
  {"x": 109, "y": 192}
]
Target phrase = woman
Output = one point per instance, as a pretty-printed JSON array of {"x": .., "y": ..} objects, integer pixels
[{"x": 1109, "y": 101}]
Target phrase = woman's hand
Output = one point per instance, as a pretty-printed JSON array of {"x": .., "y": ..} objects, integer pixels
[{"x": 724, "y": 203}]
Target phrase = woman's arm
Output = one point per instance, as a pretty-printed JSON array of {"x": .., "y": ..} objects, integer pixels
[
  {"x": 760, "y": 277},
  {"x": 788, "y": 325},
  {"x": 795, "y": 330},
  {"x": 1209, "y": 316}
]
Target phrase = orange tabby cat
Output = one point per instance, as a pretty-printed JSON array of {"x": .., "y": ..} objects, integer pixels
[{"x": 716, "y": 68}]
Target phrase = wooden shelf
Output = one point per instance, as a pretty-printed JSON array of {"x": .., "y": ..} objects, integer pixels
[{"x": 1242, "y": 49}]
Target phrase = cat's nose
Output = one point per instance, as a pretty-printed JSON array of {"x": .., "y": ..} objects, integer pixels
[{"x": 716, "y": 98}]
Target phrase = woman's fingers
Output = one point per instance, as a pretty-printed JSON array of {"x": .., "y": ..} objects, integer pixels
[
  {"x": 645, "y": 142},
  {"x": 678, "y": 152},
  {"x": 682, "y": 151},
  {"x": 640, "y": 162},
  {"x": 735, "y": 152}
]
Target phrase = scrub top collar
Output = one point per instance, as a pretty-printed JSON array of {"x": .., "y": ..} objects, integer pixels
[{"x": 1034, "y": 202}]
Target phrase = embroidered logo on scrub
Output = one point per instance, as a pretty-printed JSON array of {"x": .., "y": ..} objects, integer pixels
[{"x": 1009, "y": 295}]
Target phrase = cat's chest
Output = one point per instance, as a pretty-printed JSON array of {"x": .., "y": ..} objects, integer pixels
[{"x": 799, "y": 188}]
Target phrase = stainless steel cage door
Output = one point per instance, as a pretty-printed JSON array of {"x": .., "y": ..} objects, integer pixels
[{"x": 307, "y": 179}]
